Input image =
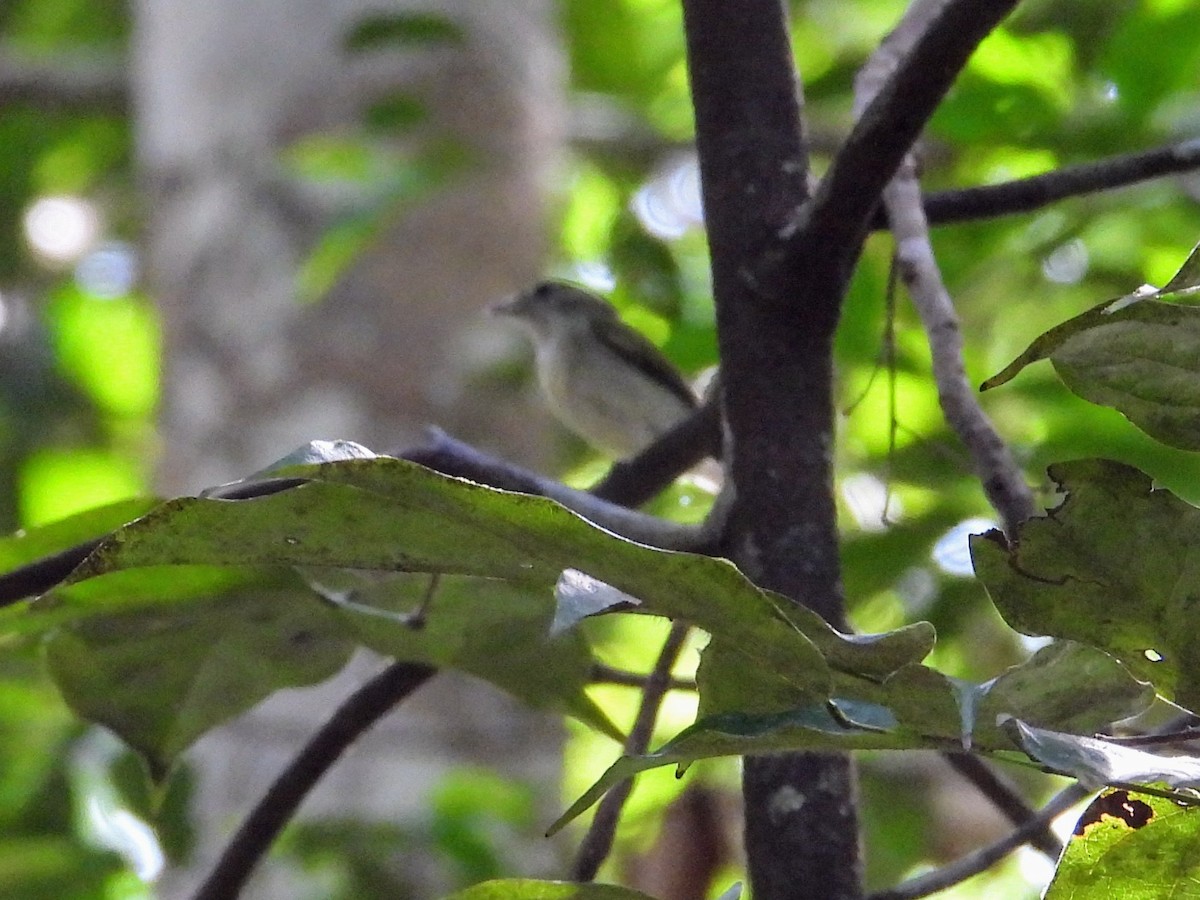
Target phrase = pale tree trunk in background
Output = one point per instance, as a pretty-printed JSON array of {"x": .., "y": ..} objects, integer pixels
[{"x": 220, "y": 87}]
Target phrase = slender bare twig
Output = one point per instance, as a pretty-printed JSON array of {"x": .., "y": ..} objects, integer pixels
[
  {"x": 1003, "y": 795},
  {"x": 985, "y": 857},
  {"x": 42, "y": 574},
  {"x": 888, "y": 127},
  {"x": 446, "y": 454},
  {"x": 629, "y": 483},
  {"x": 66, "y": 82},
  {"x": 1038, "y": 191},
  {"x": 597, "y": 843},
  {"x": 1153, "y": 740},
  {"x": 602, "y": 674},
  {"x": 360, "y": 711},
  {"x": 1002, "y": 479}
]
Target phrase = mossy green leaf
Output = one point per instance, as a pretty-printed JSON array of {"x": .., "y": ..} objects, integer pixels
[
  {"x": 813, "y": 727},
  {"x": 492, "y": 629},
  {"x": 1065, "y": 686},
  {"x": 162, "y": 675},
  {"x": 1131, "y": 845},
  {"x": 1115, "y": 565},
  {"x": 730, "y": 679},
  {"x": 1136, "y": 354},
  {"x": 390, "y": 516}
]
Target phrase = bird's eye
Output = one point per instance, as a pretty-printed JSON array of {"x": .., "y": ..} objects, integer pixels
[{"x": 542, "y": 289}]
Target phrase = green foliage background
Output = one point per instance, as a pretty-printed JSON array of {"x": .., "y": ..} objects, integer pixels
[{"x": 1060, "y": 83}]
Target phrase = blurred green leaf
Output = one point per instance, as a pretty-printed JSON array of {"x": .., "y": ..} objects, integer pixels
[
  {"x": 470, "y": 810},
  {"x": 396, "y": 112},
  {"x": 1141, "y": 89},
  {"x": 1188, "y": 276},
  {"x": 33, "y": 543},
  {"x": 398, "y": 186},
  {"x": 49, "y": 25},
  {"x": 110, "y": 347},
  {"x": 623, "y": 47},
  {"x": 56, "y": 483},
  {"x": 336, "y": 251},
  {"x": 645, "y": 268},
  {"x": 160, "y": 678},
  {"x": 401, "y": 29},
  {"x": 53, "y": 868}
]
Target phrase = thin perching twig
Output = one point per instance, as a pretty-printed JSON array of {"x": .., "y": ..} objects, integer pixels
[
  {"x": 886, "y": 128},
  {"x": 629, "y": 483},
  {"x": 1037, "y": 191},
  {"x": 1002, "y": 479},
  {"x": 451, "y": 456},
  {"x": 360, "y": 711},
  {"x": 985, "y": 857},
  {"x": 598, "y": 841},
  {"x": 1000, "y": 792},
  {"x": 602, "y": 674}
]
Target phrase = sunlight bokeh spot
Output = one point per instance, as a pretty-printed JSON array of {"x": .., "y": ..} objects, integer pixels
[
  {"x": 952, "y": 552},
  {"x": 61, "y": 229}
]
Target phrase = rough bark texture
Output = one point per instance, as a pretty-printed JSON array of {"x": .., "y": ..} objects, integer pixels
[
  {"x": 781, "y": 267},
  {"x": 775, "y": 339}
]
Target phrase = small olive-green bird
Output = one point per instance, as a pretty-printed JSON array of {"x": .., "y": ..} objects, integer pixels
[{"x": 601, "y": 378}]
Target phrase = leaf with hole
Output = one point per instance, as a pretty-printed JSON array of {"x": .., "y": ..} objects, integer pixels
[{"x": 1115, "y": 565}]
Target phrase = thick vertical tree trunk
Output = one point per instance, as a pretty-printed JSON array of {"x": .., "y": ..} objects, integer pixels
[{"x": 776, "y": 342}]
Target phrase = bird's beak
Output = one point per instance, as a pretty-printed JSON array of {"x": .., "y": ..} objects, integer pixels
[{"x": 505, "y": 307}]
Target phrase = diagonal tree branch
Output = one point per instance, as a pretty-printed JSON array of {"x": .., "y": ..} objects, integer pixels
[
  {"x": 887, "y": 129},
  {"x": 632, "y": 482},
  {"x": 359, "y": 712},
  {"x": 986, "y": 857},
  {"x": 64, "y": 83},
  {"x": 1002, "y": 479},
  {"x": 1038, "y": 191},
  {"x": 452, "y": 457},
  {"x": 597, "y": 843},
  {"x": 1003, "y": 795}
]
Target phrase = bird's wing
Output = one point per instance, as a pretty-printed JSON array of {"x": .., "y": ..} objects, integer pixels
[{"x": 643, "y": 355}]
